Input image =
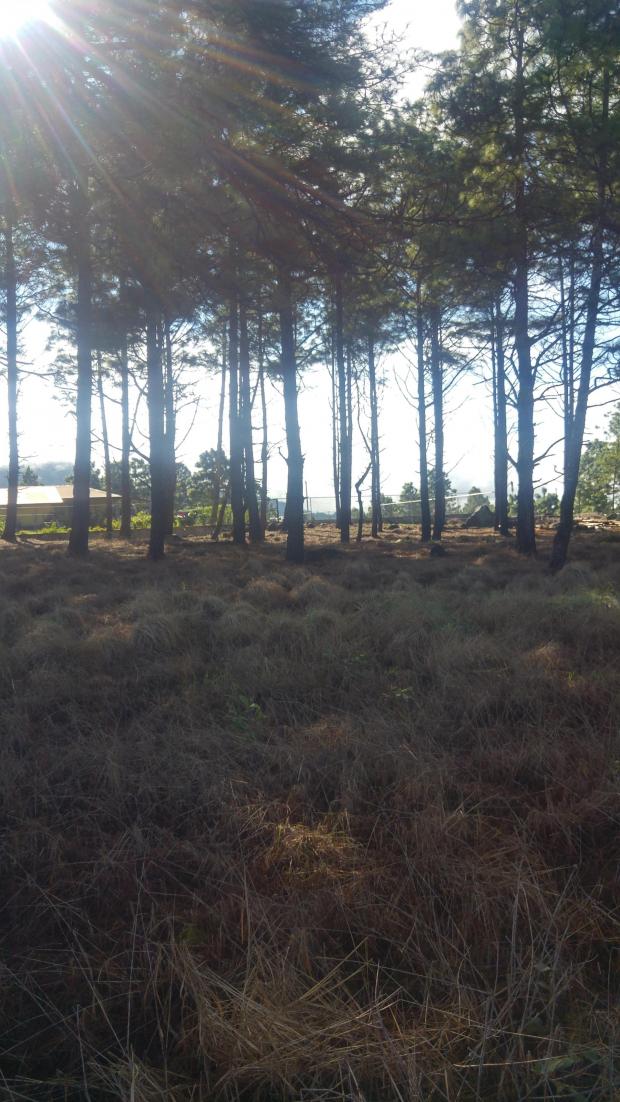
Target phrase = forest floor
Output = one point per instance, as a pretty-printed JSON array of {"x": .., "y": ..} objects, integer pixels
[{"x": 340, "y": 831}]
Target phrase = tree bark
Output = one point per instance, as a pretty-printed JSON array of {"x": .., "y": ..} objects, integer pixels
[
  {"x": 107, "y": 468},
  {"x": 245, "y": 416},
  {"x": 170, "y": 428},
  {"x": 349, "y": 374},
  {"x": 335, "y": 441},
  {"x": 345, "y": 466},
  {"x": 360, "y": 503},
  {"x": 10, "y": 523},
  {"x": 264, "y": 454},
  {"x": 80, "y": 518},
  {"x": 217, "y": 488},
  {"x": 425, "y": 505},
  {"x": 236, "y": 440},
  {"x": 577, "y": 428},
  {"x": 500, "y": 420},
  {"x": 125, "y": 442},
  {"x": 375, "y": 459},
  {"x": 568, "y": 354},
  {"x": 526, "y": 528},
  {"x": 215, "y": 535},
  {"x": 295, "y": 483},
  {"x": 439, "y": 517},
  {"x": 158, "y": 457},
  {"x": 575, "y": 442}
]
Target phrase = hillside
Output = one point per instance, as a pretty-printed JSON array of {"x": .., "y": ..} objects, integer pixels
[{"x": 346, "y": 830}]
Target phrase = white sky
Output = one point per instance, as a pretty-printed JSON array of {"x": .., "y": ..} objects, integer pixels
[{"x": 47, "y": 430}]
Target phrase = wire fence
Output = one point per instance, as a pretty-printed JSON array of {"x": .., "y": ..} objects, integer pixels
[{"x": 323, "y": 508}]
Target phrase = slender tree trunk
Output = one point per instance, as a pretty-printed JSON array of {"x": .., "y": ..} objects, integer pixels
[
  {"x": 526, "y": 527},
  {"x": 295, "y": 461},
  {"x": 578, "y": 423},
  {"x": 215, "y": 535},
  {"x": 571, "y": 334},
  {"x": 500, "y": 421},
  {"x": 170, "y": 420},
  {"x": 375, "y": 460},
  {"x": 425, "y": 505},
  {"x": 157, "y": 436},
  {"x": 567, "y": 406},
  {"x": 264, "y": 454},
  {"x": 107, "y": 468},
  {"x": 349, "y": 371},
  {"x": 245, "y": 408},
  {"x": 217, "y": 482},
  {"x": 80, "y": 519},
  {"x": 439, "y": 518},
  {"x": 125, "y": 443},
  {"x": 577, "y": 428},
  {"x": 360, "y": 503},
  {"x": 335, "y": 441},
  {"x": 343, "y": 405},
  {"x": 236, "y": 439},
  {"x": 568, "y": 354},
  {"x": 10, "y": 523}
]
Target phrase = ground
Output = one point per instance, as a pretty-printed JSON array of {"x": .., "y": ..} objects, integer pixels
[{"x": 340, "y": 831}]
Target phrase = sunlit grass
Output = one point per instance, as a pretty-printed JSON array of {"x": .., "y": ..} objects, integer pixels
[{"x": 342, "y": 831}]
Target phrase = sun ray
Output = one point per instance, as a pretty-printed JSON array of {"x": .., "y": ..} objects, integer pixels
[{"x": 17, "y": 16}]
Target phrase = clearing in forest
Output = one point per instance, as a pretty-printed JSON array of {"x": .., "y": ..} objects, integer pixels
[{"x": 333, "y": 831}]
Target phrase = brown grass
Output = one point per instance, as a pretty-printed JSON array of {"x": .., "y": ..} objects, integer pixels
[{"x": 346, "y": 831}]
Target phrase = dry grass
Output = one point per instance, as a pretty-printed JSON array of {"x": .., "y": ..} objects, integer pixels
[{"x": 346, "y": 831}]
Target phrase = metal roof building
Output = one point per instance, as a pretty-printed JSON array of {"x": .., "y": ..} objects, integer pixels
[{"x": 41, "y": 505}]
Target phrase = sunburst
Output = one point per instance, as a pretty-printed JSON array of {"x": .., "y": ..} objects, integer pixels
[{"x": 17, "y": 15}]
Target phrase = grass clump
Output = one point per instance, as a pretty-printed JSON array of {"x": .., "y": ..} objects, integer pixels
[{"x": 343, "y": 831}]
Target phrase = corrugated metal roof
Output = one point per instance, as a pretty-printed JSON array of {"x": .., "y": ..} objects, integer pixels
[
  {"x": 66, "y": 492},
  {"x": 34, "y": 495},
  {"x": 48, "y": 495}
]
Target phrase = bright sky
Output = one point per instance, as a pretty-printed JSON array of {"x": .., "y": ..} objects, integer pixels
[{"x": 47, "y": 429}]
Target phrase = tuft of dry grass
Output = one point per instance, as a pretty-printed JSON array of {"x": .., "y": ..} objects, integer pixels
[{"x": 346, "y": 831}]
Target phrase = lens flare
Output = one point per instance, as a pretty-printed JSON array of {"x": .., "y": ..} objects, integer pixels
[{"x": 16, "y": 15}]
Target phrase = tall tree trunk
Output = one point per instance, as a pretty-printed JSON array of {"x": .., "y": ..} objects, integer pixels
[
  {"x": 577, "y": 427},
  {"x": 425, "y": 505},
  {"x": 439, "y": 518},
  {"x": 125, "y": 442},
  {"x": 10, "y": 274},
  {"x": 107, "y": 467},
  {"x": 264, "y": 453},
  {"x": 217, "y": 487},
  {"x": 526, "y": 528},
  {"x": 170, "y": 420},
  {"x": 500, "y": 420},
  {"x": 360, "y": 503},
  {"x": 343, "y": 406},
  {"x": 80, "y": 518},
  {"x": 568, "y": 354},
  {"x": 295, "y": 459},
  {"x": 375, "y": 459},
  {"x": 335, "y": 440},
  {"x": 245, "y": 413},
  {"x": 236, "y": 439},
  {"x": 157, "y": 437},
  {"x": 349, "y": 371},
  {"x": 221, "y": 516}
]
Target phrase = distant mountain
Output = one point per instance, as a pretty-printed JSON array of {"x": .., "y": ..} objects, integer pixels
[{"x": 52, "y": 473}]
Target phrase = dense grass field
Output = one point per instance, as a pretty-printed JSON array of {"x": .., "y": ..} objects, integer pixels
[{"x": 347, "y": 831}]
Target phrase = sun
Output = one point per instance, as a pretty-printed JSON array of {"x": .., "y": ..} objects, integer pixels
[{"x": 16, "y": 15}]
